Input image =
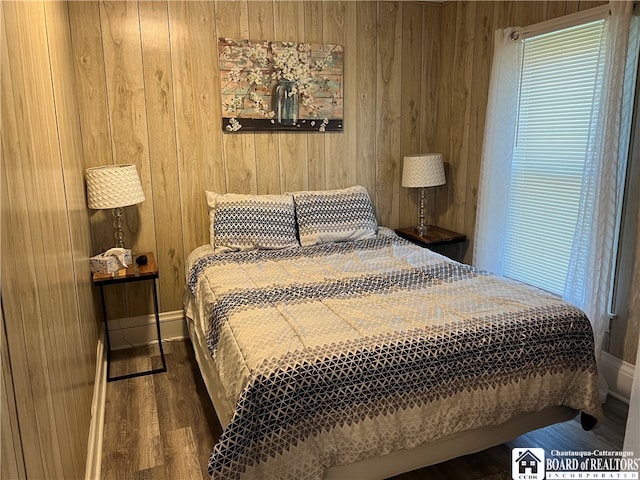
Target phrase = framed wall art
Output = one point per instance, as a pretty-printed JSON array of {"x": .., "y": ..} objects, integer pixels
[{"x": 267, "y": 86}]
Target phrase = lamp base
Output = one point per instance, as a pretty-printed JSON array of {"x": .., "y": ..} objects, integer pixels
[
  {"x": 117, "y": 224},
  {"x": 421, "y": 229}
]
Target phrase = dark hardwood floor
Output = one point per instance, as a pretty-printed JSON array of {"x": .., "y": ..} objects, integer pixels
[{"x": 163, "y": 426}]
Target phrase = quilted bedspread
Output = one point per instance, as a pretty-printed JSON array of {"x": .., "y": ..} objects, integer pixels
[{"x": 340, "y": 352}]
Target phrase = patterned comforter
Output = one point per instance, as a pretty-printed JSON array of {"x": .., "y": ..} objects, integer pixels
[{"x": 340, "y": 352}]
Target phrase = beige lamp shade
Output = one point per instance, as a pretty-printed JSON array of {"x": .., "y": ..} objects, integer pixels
[
  {"x": 113, "y": 186},
  {"x": 423, "y": 170}
]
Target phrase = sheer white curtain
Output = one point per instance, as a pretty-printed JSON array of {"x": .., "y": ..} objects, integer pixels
[
  {"x": 499, "y": 137},
  {"x": 595, "y": 238},
  {"x": 591, "y": 263}
]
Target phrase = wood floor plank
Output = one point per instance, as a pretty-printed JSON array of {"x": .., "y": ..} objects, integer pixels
[
  {"x": 143, "y": 412},
  {"x": 155, "y": 473},
  {"x": 132, "y": 432},
  {"x": 173, "y": 411},
  {"x": 176, "y": 392},
  {"x": 117, "y": 461},
  {"x": 181, "y": 454},
  {"x": 163, "y": 426}
]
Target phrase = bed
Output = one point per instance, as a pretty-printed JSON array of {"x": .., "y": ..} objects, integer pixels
[{"x": 332, "y": 348}]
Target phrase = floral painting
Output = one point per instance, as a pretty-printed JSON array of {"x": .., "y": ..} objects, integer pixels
[{"x": 280, "y": 86}]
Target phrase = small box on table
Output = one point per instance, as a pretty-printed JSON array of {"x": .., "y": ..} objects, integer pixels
[{"x": 110, "y": 262}]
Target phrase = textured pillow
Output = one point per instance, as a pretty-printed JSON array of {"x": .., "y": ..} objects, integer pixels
[
  {"x": 248, "y": 222},
  {"x": 334, "y": 215}
]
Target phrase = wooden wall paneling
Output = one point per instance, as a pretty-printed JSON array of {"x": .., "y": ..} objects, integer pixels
[
  {"x": 72, "y": 197},
  {"x": 13, "y": 222},
  {"x": 350, "y": 146},
  {"x": 120, "y": 25},
  {"x": 431, "y": 66},
  {"x": 366, "y": 71},
  {"x": 124, "y": 79},
  {"x": 202, "y": 26},
  {"x": 261, "y": 27},
  {"x": 410, "y": 122},
  {"x": 460, "y": 105},
  {"x": 389, "y": 112},
  {"x": 314, "y": 28},
  {"x": 446, "y": 79},
  {"x": 482, "y": 57},
  {"x": 46, "y": 197},
  {"x": 260, "y": 20},
  {"x": 12, "y": 459},
  {"x": 267, "y": 170},
  {"x": 239, "y": 148},
  {"x": 555, "y": 8},
  {"x": 455, "y": 62},
  {"x": 91, "y": 95},
  {"x": 294, "y": 169},
  {"x": 80, "y": 332},
  {"x": 504, "y": 15},
  {"x": 572, "y": 6},
  {"x": 586, "y": 5},
  {"x": 19, "y": 301},
  {"x": 159, "y": 102},
  {"x": 240, "y": 158},
  {"x": 20, "y": 305},
  {"x": 195, "y": 220},
  {"x": 429, "y": 114},
  {"x": 39, "y": 166},
  {"x": 528, "y": 13},
  {"x": 12, "y": 462},
  {"x": 337, "y": 164}
]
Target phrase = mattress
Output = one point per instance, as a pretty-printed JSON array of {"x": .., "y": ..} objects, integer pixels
[{"x": 339, "y": 354}]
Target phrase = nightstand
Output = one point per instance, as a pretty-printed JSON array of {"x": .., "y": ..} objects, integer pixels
[
  {"x": 134, "y": 273},
  {"x": 440, "y": 240}
]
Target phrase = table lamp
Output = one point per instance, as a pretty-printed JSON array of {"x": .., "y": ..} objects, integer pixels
[
  {"x": 420, "y": 171},
  {"x": 114, "y": 187}
]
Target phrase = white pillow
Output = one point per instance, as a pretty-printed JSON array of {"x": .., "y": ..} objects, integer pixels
[
  {"x": 248, "y": 222},
  {"x": 334, "y": 215}
]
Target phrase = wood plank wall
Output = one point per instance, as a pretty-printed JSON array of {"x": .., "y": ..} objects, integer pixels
[
  {"x": 148, "y": 90},
  {"x": 466, "y": 47},
  {"x": 51, "y": 326},
  {"x": 416, "y": 80},
  {"x": 95, "y": 83}
]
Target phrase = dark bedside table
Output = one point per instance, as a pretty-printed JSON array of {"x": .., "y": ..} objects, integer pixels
[
  {"x": 134, "y": 273},
  {"x": 440, "y": 240}
]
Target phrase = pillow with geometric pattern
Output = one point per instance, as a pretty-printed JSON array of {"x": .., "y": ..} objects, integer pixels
[
  {"x": 340, "y": 215},
  {"x": 248, "y": 222}
]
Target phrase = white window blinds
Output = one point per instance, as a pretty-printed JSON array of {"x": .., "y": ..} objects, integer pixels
[{"x": 557, "y": 110}]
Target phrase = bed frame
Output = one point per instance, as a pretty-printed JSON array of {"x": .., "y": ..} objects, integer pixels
[{"x": 401, "y": 461}]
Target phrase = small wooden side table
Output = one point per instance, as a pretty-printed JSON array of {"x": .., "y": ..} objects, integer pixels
[
  {"x": 437, "y": 239},
  {"x": 134, "y": 273}
]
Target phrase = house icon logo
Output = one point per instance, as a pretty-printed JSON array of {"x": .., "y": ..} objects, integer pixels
[{"x": 527, "y": 464}]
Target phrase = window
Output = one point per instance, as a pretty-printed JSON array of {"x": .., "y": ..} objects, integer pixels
[
  {"x": 558, "y": 103},
  {"x": 555, "y": 155}
]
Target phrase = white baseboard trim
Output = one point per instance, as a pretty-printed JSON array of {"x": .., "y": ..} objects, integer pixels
[
  {"x": 137, "y": 331},
  {"x": 619, "y": 375},
  {"x": 123, "y": 333},
  {"x": 96, "y": 429}
]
